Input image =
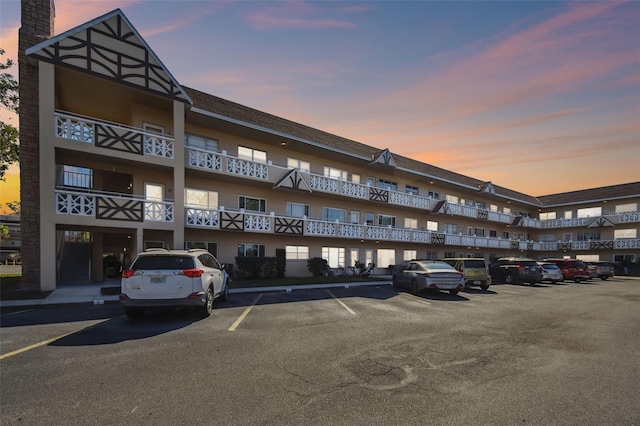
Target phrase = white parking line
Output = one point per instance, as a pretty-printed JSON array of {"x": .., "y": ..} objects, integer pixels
[
  {"x": 416, "y": 298},
  {"x": 340, "y": 302},
  {"x": 244, "y": 314}
]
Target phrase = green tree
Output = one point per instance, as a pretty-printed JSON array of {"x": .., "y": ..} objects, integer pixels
[{"x": 9, "y": 148}]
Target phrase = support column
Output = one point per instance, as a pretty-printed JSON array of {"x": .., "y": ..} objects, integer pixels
[{"x": 178, "y": 175}]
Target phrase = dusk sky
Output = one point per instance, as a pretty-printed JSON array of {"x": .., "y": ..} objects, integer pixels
[{"x": 541, "y": 97}]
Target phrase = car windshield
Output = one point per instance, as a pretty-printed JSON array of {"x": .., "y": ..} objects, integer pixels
[
  {"x": 578, "y": 264},
  {"x": 474, "y": 264},
  {"x": 163, "y": 262},
  {"x": 550, "y": 266},
  {"x": 528, "y": 262}
]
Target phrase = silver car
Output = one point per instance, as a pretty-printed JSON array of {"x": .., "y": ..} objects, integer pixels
[
  {"x": 419, "y": 275},
  {"x": 551, "y": 272}
]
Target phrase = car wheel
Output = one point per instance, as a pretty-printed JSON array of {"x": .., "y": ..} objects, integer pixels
[
  {"x": 134, "y": 313},
  {"x": 453, "y": 292},
  {"x": 205, "y": 310},
  {"x": 414, "y": 287},
  {"x": 508, "y": 279},
  {"x": 224, "y": 295},
  {"x": 604, "y": 278},
  {"x": 484, "y": 287},
  {"x": 532, "y": 283}
]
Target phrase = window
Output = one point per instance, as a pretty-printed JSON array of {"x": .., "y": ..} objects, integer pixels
[
  {"x": 201, "y": 142},
  {"x": 548, "y": 216},
  {"x": 297, "y": 210},
  {"x": 625, "y": 233},
  {"x": 386, "y": 220},
  {"x": 153, "y": 192},
  {"x": 547, "y": 237},
  {"x": 451, "y": 228},
  {"x": 355, "y": 178},
  {"x": 588, "y": 235},
  {"x": 434, "y": 195},
  {"x": 79, "y": 177},
  {"x": 506, "y": 210},
  {"x": 432, "y": 255},
  {"x": 335, "y": 256},
  {"x": 409, "y": 255},
  {"x": 493, "y": 207},
  {"x": 493, "y": 233},
  {"x": 297, "y": 252},
  {"x": 567, "y": 237},
  {"x": 369, "y": 218},
  {"x": 335, "y": 173},
  {"x": 153, "y": 129},
  {"x": 590, "y": 212},
  {"x": 622, "y": 208},
  {"x": 354, "y": 217},
  {"x": 200, "y": 198},
  {"x": 294, "y": 163},
  {"x": 252, "y": 204},
  {"x": 251, "y": 250},
  {"x": 252, "y": 154},
  {"x": 505, "y": 235},
  {"x": 208, "y": 246},
  {"x": 332, "y": 215},
  {"x": 413, "y": 190},
  {"x": 481, "y": 205},
  {"x": 478, "y": 232},
  {"x": 568, "y": 214},
  {"x": 410, "y": 223},
  {"x": 432, "y": 226},
  {"x": 387, "y": 184},
  {"x": 588, "y": 257},
  {"x": 452, "y": 199},
  {"x": 386, "y": 257},
  {"x": 371, "y": 181}
]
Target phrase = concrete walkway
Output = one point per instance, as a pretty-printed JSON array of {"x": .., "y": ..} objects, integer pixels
[{"x": 91, "y": 293}]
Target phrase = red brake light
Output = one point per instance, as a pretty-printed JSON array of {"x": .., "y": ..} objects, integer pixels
[
  {"x": 193, "y": 273},
  {"x": 127, "y": 273}
]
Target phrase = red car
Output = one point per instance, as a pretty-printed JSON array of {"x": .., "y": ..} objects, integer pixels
[{"x": 572, "y": 269}]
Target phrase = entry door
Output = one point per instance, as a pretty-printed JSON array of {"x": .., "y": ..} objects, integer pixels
[{"x": 153, "y": 207}]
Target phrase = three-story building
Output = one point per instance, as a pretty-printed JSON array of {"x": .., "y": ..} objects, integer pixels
[{"x": 118, "y": 157}]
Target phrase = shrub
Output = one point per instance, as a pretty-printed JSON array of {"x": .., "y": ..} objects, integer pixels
[
  {"x": 317, "y": 266},
  {"x": 252, "y": 268}
]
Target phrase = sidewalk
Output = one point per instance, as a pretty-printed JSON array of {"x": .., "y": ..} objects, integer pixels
[{"x": 90, "y": 293}]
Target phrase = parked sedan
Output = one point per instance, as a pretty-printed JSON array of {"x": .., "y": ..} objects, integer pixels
[
  {"x": 551, "y": 272},
  {"x": 419, "y": 275},
  {"x": 516, "y": 270}
]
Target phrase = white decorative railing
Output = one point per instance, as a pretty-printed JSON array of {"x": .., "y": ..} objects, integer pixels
[
  {"x": 499, "y": 217},
  {"x": 106, "y": 205},
  {"x": 323, "y": 183},
  {"x": 74, "y": 204},
  {"x": 565, "y": 223},
  {"x": 247, "y": 168},
  {"x": 257, "y": 222},
  {"x": 356, "y": 190},
  {"x": 112, "y": 135},
  {"x": 202, "y": 217},
  {"x": 158, "y": 211},
  {"x": 204, "y": 159}
]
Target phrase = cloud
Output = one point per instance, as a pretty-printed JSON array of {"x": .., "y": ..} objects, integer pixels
[{"x": 294, "y": 15}]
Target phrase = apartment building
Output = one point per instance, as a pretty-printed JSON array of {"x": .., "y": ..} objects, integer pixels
[{"x": 118, "y": 157}]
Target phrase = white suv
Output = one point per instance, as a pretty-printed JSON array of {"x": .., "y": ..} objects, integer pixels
[{"x": 173, "y": 278}]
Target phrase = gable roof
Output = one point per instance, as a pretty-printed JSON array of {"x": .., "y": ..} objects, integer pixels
[
  {"x": 110, "y": 47},
  {"x": 604, "y": 193}
]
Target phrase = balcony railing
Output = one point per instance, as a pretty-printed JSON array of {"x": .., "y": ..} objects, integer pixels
[
  {"x": 272, "y": 223},
  {"x": 109, "y": 206},
  {"x": 112, "y": 136}
]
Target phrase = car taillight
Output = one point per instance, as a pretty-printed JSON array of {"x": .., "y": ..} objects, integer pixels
[
  {"x": 193, "y": 273},
  {"x": 127, "y": 273}
]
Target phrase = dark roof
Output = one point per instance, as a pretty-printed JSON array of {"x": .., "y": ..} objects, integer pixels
[
  {"x": 241, "y": 113},
  {"x": 625, "y": 190}
]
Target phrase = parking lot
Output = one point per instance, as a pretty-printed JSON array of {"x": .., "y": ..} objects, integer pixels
[{"x": 549, "y": 354}]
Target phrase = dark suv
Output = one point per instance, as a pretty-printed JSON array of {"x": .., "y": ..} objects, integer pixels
[
  {"x": 516, "y": 270},
  {"x": 572, "y": 269}
]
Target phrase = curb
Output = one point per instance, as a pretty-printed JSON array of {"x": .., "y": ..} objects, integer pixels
[{"x": 102, "y": 300}]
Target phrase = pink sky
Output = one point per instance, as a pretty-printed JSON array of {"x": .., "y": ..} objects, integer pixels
[{"x": 539, "y": 97}]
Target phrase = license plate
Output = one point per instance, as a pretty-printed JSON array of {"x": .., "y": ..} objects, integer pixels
[
  {"x": 158, "y": 280},
  {"x": 477, "y": 282}
]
